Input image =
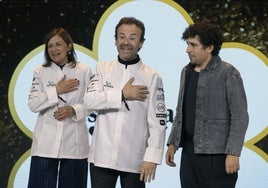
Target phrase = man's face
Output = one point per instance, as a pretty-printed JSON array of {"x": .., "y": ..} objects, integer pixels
[
  {"x": 128, "y": 41},
  {"x": 198, "y": 54}
]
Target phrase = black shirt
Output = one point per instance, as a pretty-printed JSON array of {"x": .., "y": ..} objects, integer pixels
[{"x": 189, "y": 103}]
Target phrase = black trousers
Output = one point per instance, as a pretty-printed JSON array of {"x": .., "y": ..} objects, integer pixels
[
  {"x": 107, "y": 178},
  {"x": 204, "y": 170},
  {"x": 50, "y": 172}
]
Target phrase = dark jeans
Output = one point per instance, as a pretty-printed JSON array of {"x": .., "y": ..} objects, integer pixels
[
  {"x": 107, "y": 178},
  {"x": 70, "y": 173},
  {"x": 204, "y": 170}
]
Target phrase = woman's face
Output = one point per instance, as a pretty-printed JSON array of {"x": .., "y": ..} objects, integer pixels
[{"x": 58, "y": 49}]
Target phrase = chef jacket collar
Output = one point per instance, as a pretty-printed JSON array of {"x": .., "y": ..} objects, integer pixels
[{"x": 126, "y": 63}]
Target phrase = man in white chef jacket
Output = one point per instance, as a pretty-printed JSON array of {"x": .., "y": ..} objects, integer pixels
[{"x": 129, "y": 135}]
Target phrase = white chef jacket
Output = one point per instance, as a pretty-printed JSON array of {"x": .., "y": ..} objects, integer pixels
[
  {"x": 53, "y": 138},
  {"x": 123, "y": 139}
]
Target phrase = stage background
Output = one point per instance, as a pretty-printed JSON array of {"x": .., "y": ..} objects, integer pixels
[{"x": 25, "y": 23}]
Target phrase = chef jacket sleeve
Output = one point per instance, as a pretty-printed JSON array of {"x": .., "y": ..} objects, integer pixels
[
  {"x": 80, "y": 110},
  {"x": 96, "y": 98},
  {"x": 156, "y": 122},
  {"x": 40, "y": 97}
]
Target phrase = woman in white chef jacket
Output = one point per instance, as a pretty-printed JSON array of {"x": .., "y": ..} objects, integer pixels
[{"x": 60, "y": 140}]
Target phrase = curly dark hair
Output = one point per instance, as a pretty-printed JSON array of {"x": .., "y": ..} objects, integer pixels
[{"x": 208, "y": 34}]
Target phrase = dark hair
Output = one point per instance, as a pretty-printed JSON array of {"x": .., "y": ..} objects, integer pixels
[
  {"x": 208, "y": 34},
  {"x": 130, "y": 21},
  {"x": 67, "y": 38}
]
